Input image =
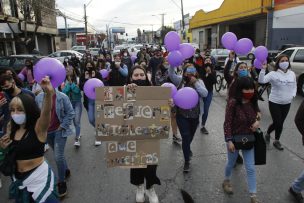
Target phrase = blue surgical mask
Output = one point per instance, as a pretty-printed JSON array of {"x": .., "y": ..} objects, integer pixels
[
  {"x": 191, "y": 69},
  {"x": 243, "y": 73},
  {"x": 19, "y": 118}
]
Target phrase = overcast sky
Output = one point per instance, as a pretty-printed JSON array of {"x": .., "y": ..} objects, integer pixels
[{"x": 131, "y": 14}]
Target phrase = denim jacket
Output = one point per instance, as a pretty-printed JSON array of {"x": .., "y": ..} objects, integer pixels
[{"x": 64, "y": 111}]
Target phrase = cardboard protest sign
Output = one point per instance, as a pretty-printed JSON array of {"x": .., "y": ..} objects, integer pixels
[
  {"x": 123, "y": 114},
  {"x": 133, "y": 153}
]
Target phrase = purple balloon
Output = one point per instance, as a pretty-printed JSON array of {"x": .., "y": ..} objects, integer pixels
[
  {"x": 186, "y": 98},
  {"x": 50, "y": 67},
  {"x": 104, "y": 73},
  {"x": 133, "y": 58},
  {"x": 90, "y": 85},
  {"x": 229, "y": 40},
  {"x": 172, "y": 41},
  {"x": 186, "y": 50},
  {"x": 261, "y": 53},
  {"x": 21, "y": 76},
  {"x": 175, "y": 58},
  {"x": 173, "y": 88},
  {"x": 243, "y": 46},
  {"x": 257, "y": 63}
]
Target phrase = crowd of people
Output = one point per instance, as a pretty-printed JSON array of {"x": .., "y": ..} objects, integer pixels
[{"x": 34, "y": 114}]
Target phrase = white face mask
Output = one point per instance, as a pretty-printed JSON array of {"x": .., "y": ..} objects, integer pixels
[
  {"x": 284, "y": 65},
  {"x": 19, "y": 118}
]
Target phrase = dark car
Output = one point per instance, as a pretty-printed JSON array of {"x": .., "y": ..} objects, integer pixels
[
  {"x": 220, "y": 56},
  {"x": 17, "y": 62}
]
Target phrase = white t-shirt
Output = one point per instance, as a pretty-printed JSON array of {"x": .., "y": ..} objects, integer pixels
[{"x": 283, "y": 85}]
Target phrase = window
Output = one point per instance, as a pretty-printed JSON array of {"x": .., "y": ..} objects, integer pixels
[
  {"x": 4, "y": 61},
  {"x": 288, "y": 52},
  {"x": 299, "y": 57},
  {"x": 19, "y": 62}
]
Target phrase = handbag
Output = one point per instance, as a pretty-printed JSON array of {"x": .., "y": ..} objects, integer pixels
[
  {"x": 243, "y": 142},
  {"x": 9, "y": 165},
  {"x": 259, "y": 148}
]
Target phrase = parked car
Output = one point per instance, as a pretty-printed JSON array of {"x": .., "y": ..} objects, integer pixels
[
  {"x": 94, "y": 51},
  {"x": 60, "y": 55},
  {"x": 80, "y": 49},
  {"x": 17, "y": 62},
  {"x": 220, "y": 56},
  {"x": 296, "y": 57},
  {"x": 117, "y": 49}
]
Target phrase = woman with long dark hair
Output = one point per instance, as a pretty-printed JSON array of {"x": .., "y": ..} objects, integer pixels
[
  {"x": 241, "y": 119},
  {"x": 283, "y": 90},
  {"x": 138, "y": 77},
  {"x": 26, "y": 135},
  {"x": 28, "y": 73}
]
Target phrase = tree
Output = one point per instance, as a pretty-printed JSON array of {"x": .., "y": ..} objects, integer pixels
[{"x": 139, "y": 35}]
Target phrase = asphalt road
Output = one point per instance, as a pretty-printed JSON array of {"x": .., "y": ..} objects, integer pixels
[{"x": 91, "y": 181}]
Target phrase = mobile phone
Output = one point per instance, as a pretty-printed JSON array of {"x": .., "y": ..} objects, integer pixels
[{"x": 1, "y": 95}]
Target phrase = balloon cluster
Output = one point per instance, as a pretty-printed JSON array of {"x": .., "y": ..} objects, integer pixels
[
  {"x": 185, "y": 98},
  {"x": 243, "y": 47},
  {"x": 178, "y": 52}
]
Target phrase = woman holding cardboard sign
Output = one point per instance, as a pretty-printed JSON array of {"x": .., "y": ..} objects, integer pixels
[
  {"x": 188, "y": 119},
  {"x": 138, "y": 77}
]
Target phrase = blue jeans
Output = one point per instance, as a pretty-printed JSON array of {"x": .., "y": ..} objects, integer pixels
[
  {"x": 298, "y": 184},
  {"x": 57, "y": 143},
  {"x": 249, "y": 165},
  {"x": 207, "y": 101},
  {"x": 91, "y": 111},
  {"x": 77, "y": 106},
  {"x": 187, "y": 128}
]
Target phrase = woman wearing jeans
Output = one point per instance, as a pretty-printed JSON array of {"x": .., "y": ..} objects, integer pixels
[
  {"x": 72, "y": 90},
  {"x": 241, "y": 119},
  {"x": 89, "y": 72},
  {"x": 283, "y": 90},
  {"x": 188, "y": 119}
]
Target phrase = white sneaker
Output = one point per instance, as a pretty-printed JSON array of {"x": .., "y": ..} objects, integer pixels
[
  {"x": 152, "y": 195},
  {"x": 46, "y": 147},
  {"x": 77, "y": 143},
  {"x": 140, "y": 194},
  {"x": 97, "y": 143}
]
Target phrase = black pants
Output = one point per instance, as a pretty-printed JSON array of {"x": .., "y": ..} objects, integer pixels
[
  {"x": 138, "y": 176},
  {"x": 278, "y": 113}
]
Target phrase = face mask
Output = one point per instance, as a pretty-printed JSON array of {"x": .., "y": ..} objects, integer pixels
[
  {"x": 243, "y": 73},
  {"x": 166, "y": 66},
  {"x": 19, "y": 118},
  {"x": 248, "y": 95},
  {"x": 125, "y": 54},
  {"x": 117, "y": 63},
  {"x": 208, "y": 64},
  {"x": 66, "y": 60},
  {"x": 284, "y": 65},
  {"x": 10, "y": 90},
  {"x": 140, "y": 82},
  {"x": 196, "y": 55},
  {"x": 28, "y": 66}
]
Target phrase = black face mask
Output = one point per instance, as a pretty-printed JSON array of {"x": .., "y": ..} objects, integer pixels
[
  {"x": 10, "y": 90},
  {"x": 208, "y": 64},
  {"x": 140, "y": 82},
  {"x": 186, "y": 79}
]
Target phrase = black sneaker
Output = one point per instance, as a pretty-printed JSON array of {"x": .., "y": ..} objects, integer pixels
[
  {"x": 298, "y": 196},
  {"x": 62, "y": 189},
  {"x": 278, "y": 145},
  {"x": 176, "y": 139},
  {"x": 67, "y": 173},
  {"x": 239, "y": 159},
  {"x": 204, "y": 131},
  {"x": 187, "y": 166}
]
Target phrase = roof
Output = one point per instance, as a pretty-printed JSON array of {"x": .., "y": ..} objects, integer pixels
[{"x": 229, "y": 10}]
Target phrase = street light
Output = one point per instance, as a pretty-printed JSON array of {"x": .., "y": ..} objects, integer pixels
[{"x": 109, "y": 33}]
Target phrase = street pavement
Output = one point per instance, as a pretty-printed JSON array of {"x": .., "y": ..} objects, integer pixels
[{"x": 92, "y": 182}]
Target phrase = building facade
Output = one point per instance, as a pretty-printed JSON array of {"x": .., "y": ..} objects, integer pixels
[{"x": 26, "y": 25}]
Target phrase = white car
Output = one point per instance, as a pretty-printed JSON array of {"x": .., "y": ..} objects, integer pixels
[
  {"x": 60, "y": 55},
  {"x": 117, "y": 49},
  {"x": 296, "y": 58},
  {"x": 94, "y": 51}
]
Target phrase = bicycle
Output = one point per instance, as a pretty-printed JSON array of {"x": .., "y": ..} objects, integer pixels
[{"x": 220, "y": 81}]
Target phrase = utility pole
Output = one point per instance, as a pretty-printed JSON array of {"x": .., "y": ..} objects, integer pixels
[
  {"x": 85, "y": 24},
  {"x": 183, "y": 20},
  {"x": 163, "y": 25}
]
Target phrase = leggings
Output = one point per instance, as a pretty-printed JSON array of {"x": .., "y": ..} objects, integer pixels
[{"x": 278, "y": 113}]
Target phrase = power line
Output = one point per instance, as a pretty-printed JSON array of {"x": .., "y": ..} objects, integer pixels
[
  {"x": 89, "y": 3},
  {"x": 175, "y": 4}
]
